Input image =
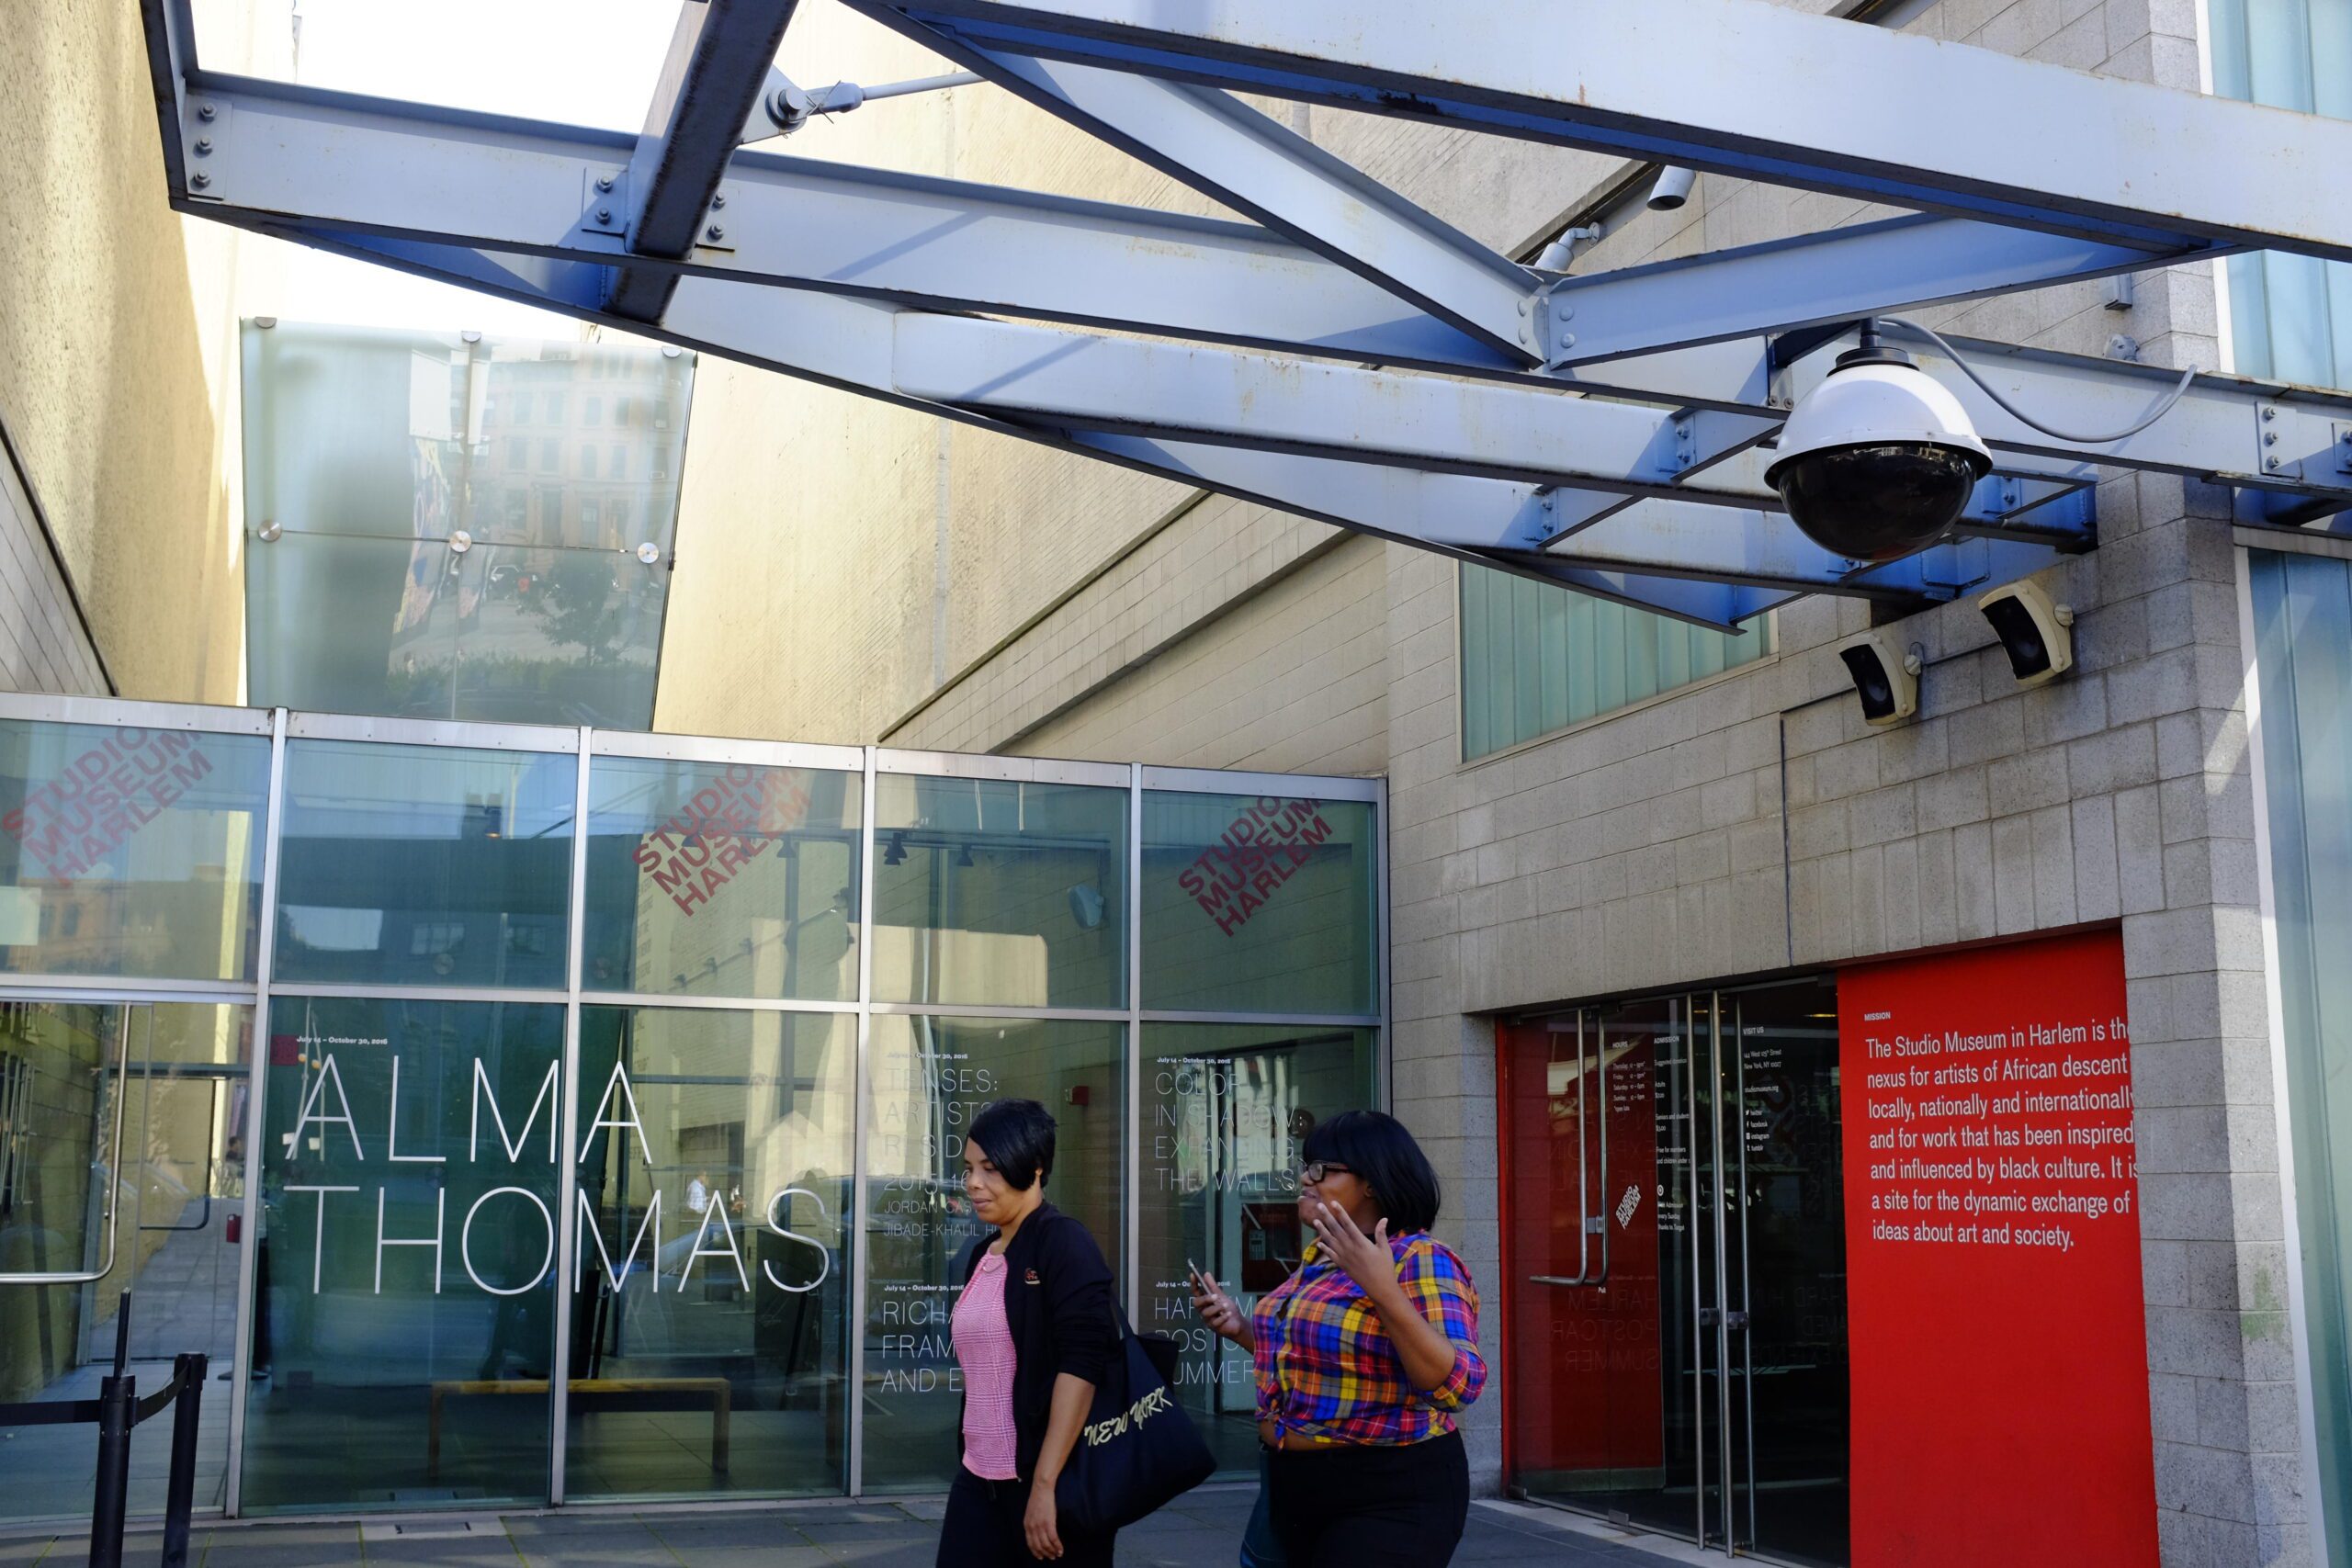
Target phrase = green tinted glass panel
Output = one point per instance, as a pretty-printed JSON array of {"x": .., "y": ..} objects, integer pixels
[
  {"x": 709, "y": 1332},
  {"x": 722, "y": 880},
  {"x": 368, "y": 452},
  {"x": 1260, "y": 904},
  {"x": 931, "y": 1076},
  {"x": 2302, "y": 611},
  {"x": 404, "y": 1312},
  {"x": 130, "y": 852},
  {"x": 999, "y": 894},
  {"x": 1224, "y": 1108},
  {"x": 1536, "y": 657},
  {"x": 2291, "y": 317},
  {"x": 425, "y": 865}
]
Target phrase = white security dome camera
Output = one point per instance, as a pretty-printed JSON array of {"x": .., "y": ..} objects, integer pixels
[{"x": 1879, "y": 459}]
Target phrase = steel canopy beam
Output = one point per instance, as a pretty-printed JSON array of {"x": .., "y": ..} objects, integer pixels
[
  {"x": 1481, "y": 470},
  {"x": 1239, "y": 158},
  {"x": 710, "y": 81},
  {"x": 1709, "y": 84},
  {"x": 298, "y": 158},
  {"x": 1710, "y": 565},
  {"x": 848, "y": 344},
  {"x": 1233, "y": 398},
  {"x": 1836, "y": 277},
  {"x": 345, "y": 163}
]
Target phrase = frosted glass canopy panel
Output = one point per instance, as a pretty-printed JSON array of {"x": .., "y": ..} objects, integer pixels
[{"x": 454, "y": 527}]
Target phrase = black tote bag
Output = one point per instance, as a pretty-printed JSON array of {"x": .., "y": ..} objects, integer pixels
[{"x": 1138, "y": 1450}]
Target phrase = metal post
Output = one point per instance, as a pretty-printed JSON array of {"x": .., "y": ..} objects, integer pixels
[
  {"x": 853, "y": 1223},
  {"x": 567, "y": 1115},
  {"x": 242, "y": 1358},
  {"x": 188, "y": 1370},
  {"x": 117, "y": 1412}
]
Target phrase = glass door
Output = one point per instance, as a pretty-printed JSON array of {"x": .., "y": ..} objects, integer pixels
[
  {"x": 118, "y": 1171},
  {"x": 1786, "y": 1225},
  {"x": 1676, "y": 1290}
]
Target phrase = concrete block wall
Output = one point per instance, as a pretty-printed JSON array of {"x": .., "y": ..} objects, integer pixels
[{"x": 1295, "y": 681}]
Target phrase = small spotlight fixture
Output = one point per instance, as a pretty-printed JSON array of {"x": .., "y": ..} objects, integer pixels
[
  {"x": 2036, "y": 634},
  {"x": 1672, "y": 189},
  {"x": 1558, "y": 256},
  {"x": 1885, "y": 675}
]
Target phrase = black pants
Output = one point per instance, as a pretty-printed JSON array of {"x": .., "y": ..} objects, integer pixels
[
  {"x": 1353, "y": 1508},
  {"x": 982, "y": 1529}
]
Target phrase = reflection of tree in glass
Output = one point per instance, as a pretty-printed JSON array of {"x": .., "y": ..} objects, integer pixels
[{"x": 579, "y": 603}]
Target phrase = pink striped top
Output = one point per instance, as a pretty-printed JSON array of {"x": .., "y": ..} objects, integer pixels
[{"x": 984, "y": 1349}]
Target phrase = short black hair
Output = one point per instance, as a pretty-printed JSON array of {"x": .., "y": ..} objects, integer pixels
[
  {"x": 1377, "y": 1147},
  {"x": 1018, "y": 1137}
]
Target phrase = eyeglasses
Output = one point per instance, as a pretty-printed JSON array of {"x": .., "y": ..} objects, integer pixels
[{"x": 1313, "y": 1173}]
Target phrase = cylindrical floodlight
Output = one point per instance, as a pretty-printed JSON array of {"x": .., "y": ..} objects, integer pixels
[{"x": 1672, "y": 188}]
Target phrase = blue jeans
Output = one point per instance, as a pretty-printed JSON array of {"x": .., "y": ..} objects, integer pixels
[{"x": 1259, "y": 1549}]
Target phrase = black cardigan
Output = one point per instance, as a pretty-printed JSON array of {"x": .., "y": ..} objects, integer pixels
[{"x": 1062, "y": 1311}]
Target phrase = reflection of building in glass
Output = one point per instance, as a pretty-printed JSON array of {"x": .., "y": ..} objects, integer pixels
[
  {"x": 1225, "y": 1108},
  {"x": 129, "y": 851},
  {"x": 56, "y": 1091},
  {"x": 456, "y": 526}
]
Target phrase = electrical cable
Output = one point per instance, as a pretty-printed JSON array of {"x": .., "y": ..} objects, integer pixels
[{"x": 2163, "y": 407}]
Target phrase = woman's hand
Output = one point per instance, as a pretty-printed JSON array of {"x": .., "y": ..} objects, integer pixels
[
  {"x": 1041, "y": 1524},
  {"x": 1367, "y": 1258},
  {"x": 1428, "y": 1356},
  {"x": 1218, "y": 1311}
]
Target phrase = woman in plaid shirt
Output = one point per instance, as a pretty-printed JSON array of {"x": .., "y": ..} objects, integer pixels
[{"x": 1364, "y": 1357}]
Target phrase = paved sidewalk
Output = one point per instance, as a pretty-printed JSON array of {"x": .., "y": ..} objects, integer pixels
[{"x": 1204, "y": 1531}]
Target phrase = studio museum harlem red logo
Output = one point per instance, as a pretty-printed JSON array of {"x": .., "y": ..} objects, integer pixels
[
  {"x": 722, "y": 829},
  {"x": 1267, "y": 845},
  {"x": 71, "y": 824}
]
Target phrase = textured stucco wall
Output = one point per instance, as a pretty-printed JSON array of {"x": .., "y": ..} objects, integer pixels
[{"x": 116, "y": 332}]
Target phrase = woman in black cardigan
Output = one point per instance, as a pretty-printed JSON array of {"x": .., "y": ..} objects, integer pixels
[{"x": 1035, "y": 1327}]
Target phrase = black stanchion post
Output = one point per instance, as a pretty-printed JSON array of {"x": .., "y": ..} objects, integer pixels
[
  {"x": 118, "y": 1401},
  {"x": 117, "y": 1412},
  {"x": 180, "y": 1500}
]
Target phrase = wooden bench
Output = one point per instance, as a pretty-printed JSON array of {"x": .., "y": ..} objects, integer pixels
[{"x": 683, "y": 1392}]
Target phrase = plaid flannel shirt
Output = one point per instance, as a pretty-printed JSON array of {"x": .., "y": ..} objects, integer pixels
[{"x": 1327, "y": 1366}]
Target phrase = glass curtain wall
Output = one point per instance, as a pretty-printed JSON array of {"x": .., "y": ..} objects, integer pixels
[
  {"x": 575, "y": 1117},
  {"x": 2291, "y": 317},
  {"x": 1536, "y": 657},
  {"x": 2302, "y": 617}
]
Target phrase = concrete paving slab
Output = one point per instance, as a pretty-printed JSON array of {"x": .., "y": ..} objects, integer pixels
[{"x": 1204, "y": 1531}]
